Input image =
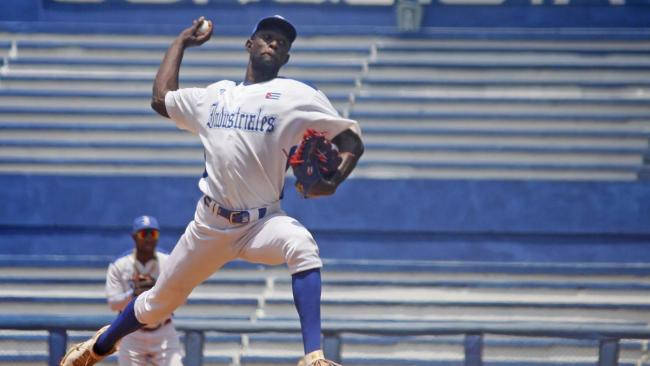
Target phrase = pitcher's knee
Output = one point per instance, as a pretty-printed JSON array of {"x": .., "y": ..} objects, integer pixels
[
  {"x": 152, "y": 308},
  {"x": 302, "y": 255}
]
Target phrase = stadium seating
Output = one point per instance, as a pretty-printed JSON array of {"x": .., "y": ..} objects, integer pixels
[
  {"x": 461, "y": 109},
  {"x": 70, "y": 91},
  {"x": 546, "y": 109},
  {"x": 467, "y": 109},
  {"x": 370, "y": 291}
]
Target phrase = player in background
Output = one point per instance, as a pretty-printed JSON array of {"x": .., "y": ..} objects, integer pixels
[
  {"x": 246, "y": 128},
  {"x": 129, "y": 276}
]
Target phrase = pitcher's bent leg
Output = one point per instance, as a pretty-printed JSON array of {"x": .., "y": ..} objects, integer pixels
[
  {"x": 199, "y": 253},
  {"x": 281, "y": 239}
]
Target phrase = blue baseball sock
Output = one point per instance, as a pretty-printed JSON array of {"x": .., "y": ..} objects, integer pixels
[
  {"x": 124, "y": 324},
  {"x": 306, "y": 295}
]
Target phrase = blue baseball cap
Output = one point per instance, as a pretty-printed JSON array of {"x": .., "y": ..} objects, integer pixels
[
  {"x": 145, "y": 222},
  {"x": 277, "y": 22}
]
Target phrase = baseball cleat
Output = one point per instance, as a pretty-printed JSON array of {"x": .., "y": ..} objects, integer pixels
[
  {"x": 82, "y": 354},
  {"x": 316, "y": 358},
  {"x": 325, "y": 362}
]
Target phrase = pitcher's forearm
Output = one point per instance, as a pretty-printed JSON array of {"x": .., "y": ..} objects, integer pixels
[
  {"x": 351, "y": 148},
  {"x": 167, "y": 76}
]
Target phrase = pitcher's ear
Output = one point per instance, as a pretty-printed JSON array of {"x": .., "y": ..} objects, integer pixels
[{"x": 248, "y": 44}]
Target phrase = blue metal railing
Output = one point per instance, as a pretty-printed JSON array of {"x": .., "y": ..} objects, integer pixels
[{"x": 608, "y": 335}]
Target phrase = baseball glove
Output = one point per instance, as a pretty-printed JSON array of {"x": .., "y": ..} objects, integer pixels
[
  {"x": 142, "y": 283},
  {"x": 313, "y": 162}
]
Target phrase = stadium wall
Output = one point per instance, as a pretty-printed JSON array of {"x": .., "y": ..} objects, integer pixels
[
  {"x": 315, "y": 16},
  {"x": 367, "y": 219}
]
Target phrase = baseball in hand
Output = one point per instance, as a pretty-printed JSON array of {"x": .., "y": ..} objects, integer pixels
[{"x": 204, "y": 26}]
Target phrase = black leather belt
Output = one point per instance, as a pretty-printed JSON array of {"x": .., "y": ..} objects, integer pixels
[
  {"x": 234, "y": 217},
  {"x": 169, "y": 320}
]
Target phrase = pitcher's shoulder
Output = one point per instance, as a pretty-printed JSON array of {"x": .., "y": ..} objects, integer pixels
[
  {"x": 301, "y": 85},
  {"x": 222, "y": 84}
]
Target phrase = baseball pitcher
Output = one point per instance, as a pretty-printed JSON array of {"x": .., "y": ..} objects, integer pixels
[{"x": 252, "y": 131}]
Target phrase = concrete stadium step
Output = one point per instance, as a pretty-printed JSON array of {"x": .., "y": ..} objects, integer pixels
[
  {"x": 532, "y": 158},
  {"x": 522, "y": 141},
  {"x": 380, "y": 170},
  {"x": 539, "y": 107},
  {"x": 230, "y": 71},
  {"x": 405, "y": 74},
  {"x": 113, "y": 81},
  {"x": 215, "y": 63},
  {"x": 603, "y": 45},
  {"x": 280, "y": 287},
  {"x": 590, "y": 87},
  {"x": 33, "y": 41},
  {"x": 79, "y": 274},
  {"x": 349, "y": 278},
  {"x": 233, "y": 49},
  {"x": 365, "y": 269},
  {"x": 506, "y": 125},
  {"x": 401, "y": 125},
  {"x": 515, "y": 59},
  {"x": 502, "y": 114},
  {"x": 340, "y": 272},
  {"x": 515, "y": 94},
  {"x": 439, "y": 310},
  {"x": 504, "y": 122},
  {"x": 95, "y": 285},
  {"x": 95, "y": 99},
  {"x": 241, "y": 307},
  {"x": 497, "y": 62},
  {"x": 464, "y": 89},
  {"x": 146, "y": 51},
  {"x": 361, "y": 271}
]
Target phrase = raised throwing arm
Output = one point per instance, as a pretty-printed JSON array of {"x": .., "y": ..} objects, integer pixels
[{"x": 167, "y": 75}]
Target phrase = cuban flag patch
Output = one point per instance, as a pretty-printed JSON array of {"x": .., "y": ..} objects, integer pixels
[{"x": 274, "y": 96}]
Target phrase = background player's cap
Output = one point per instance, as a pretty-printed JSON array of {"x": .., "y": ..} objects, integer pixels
[
  {"x": 277, "y": 22},
  {"x": 145, "y": 222}
]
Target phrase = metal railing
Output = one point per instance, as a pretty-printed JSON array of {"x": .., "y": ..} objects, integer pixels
[{"x": 608, "y": 335}]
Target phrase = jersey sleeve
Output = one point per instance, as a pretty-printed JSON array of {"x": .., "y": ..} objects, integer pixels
[
  {"x": 322, "y": 116},
  {"x": 116, "y": 294},
  {"x": 182, "y": 107}
]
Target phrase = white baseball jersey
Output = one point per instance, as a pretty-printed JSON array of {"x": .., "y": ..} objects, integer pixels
[
  {"x": 158, "y": 344},
  {"x": 119, "y": 279},
  {"x": 247, "y": 130}
]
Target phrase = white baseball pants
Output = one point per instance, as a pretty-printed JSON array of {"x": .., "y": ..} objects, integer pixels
[
  {"x": 160, "y": 347},
  {"x": 210, "y": 241}
]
